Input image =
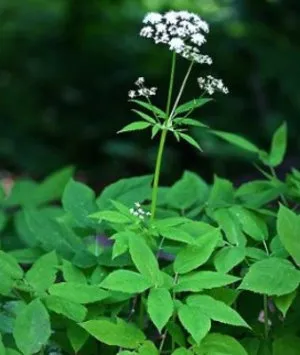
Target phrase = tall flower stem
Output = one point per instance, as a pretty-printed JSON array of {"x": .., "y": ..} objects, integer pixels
[{"x": 162, "y": 141}]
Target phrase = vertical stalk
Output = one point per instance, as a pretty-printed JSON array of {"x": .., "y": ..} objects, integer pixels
[
  {"x": 162, "y": 141},
  {"x": 266, "y": 317}
]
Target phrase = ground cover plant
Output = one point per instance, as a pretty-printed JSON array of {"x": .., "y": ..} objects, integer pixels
[{"x": 187, "y": 269}]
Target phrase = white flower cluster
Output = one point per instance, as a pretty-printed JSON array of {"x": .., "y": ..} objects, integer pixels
[
  {"x": 183, "y": 31},
  {"x": 138, "y": 211},
  {"x": 142, "y": 90},
  {"x": 212, "y": 85}
]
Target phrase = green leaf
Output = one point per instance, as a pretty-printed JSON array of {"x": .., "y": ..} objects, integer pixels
[
  {"x": 111, "y": 216},
  {"x": 283, "y": 303},
  {"x": 135, "y": 126},
  {"x": 10, "y": 266},
  {"x": 3, "y": 220},
  {"x": 252, "y": 224},
  {"x": 26, "y": 256},
  {"x": 201, "y": 280},
  {"x": 151, "y": 108},
  {"x": 144, "y": 259},
  {"x": 53, "y": 186},
  {"x": 278, "y": 146},
  {"x": 148, "y": 348},
  {"x": 67, "y": 308},
  {"x": 272, "y": 277},
  {"x": 219, "y": 344},
  {"x": 125, "y": 281},
  {"x": 192, "y": 105},
  {"x": 187, "y": 191},
  {"x": 288, "y": 228},
  {"x": 190, "y": 140},
  {"x": 145, "y": 116},
  {"x": 77, "y": 336},
  {"x": 126, "y": 191},
  {"x": 79, "y": 200},
  {"x": 72, "y": 273},
  {"x": 216, "y": 310},
  {"x": 176, "y": 234},
  {"x": 32, "y": 328},
  {"x": 12, "y": 352},
  {"x": 2, "y": 348},
  {"x": 189, "y": 122},
  {"x": 182, "y": 351},
  {"x": 196, "y": 323},
  {"x": 177, "y": 333},
  {"x": 42, "y": 274},
  {"x": 21, "y": 193},
  {"x": 221, "y": 194},
  {"x": 78, "y": 293},
  {"x": 121, "y": 334},
  {"x": 6, "y": 283},
  {"x": 160, "y": 307},
  {"x": 237, "y": 141},
  {"x": 191, "y": 257},
  {"x": 287, "y": 345},
  {"x": 228, "y": 257}
]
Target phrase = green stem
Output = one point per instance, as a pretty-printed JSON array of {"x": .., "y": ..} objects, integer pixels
[
  {"x": 162, "y": 142},
  {"x": 273, "y": 172},
  {"x": 181, "y": 90},
  {"x": 266, "y": 318}
]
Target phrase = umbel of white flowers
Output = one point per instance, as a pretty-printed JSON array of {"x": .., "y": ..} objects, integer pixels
[
  {"x": 184, "y": 32},
  {"x": 142, "y": 89}
]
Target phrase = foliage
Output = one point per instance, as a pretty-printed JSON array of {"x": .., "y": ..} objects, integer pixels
[{"x": 187, "y": 269}]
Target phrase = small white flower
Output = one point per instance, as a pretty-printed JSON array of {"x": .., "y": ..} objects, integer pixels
[
  {"x": 147, "y": 32},
  {"x": 161, "y": 28},
  {"x": 131, "y": 94},
  {"x": 171, "y": 17},
  {"x": 212, "y": 85},
  {"x": 153, "y": 18},
  {"x": 148, "y": 213},
  {"x": 135, "y": 213},
  {"x": 198, "y": 39},
  {"x": 137, "y": 204},
  {"x": 185, "y": 15},
  {"x": 140, "y": 81},
  {"x": 141, "y": 217},
  {"x": 176, "y": 44},
  {"x": 131, "y": 210}
]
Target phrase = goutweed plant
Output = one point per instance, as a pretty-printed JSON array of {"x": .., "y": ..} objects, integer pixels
[{"x": 190, "y": 269}]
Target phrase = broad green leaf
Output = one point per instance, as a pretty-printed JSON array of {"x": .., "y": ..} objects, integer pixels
[
  {"x": 3, "y": 220},
  {"x": 176, "y": 234},
  {"x": 23, "y": 229},
  {"x": 278, "y": 146},
  {"x": 221, "y": 194},
  {"x": 187, "y": 191},
  {"x": 252, "y": 224},
  {"x": 219, "y": 344},
  {"x": 144, "y": 116},
  {"x": 283, "y": 303},
  {"x": 272, "y": 277},
  {"x": 26, "y": 256},
  {"x": 192, "y": 105},
  {"x": 72, "y": 273},
  {"x": 121, "y": 243},
  {"x": 151, "y": 107},
  {"x": 144, "y": 259},
  {"x": 126, "y": 191},
  {"x": 177, "y": 333},
  {"x": 189, "y": 122},
  {"x": 256, "y": 253},
  {"x": 135, "y": 126},
  {"x": 224, "y": 294},
  {"x": 216, "y": 310},
  {"x": 228, "y": 257},
  {"x": 160, "y": 307},
  {"x": 67, "y": 308},
  {"x": 182, "y": 351},
  {"x": 112, "y": 217},
  {"x": 201, "y": 280},
  {"x": 287, "y": 345},
  {"x": 196, "y": 323},
  {"x": 77, "y": 336},
  {"x": 10, "y": 266},
  {"x": 126, "y": 281},
  {"x": 21, "y": 193},
  {"x": 32, "y": 328},
  {"x": 148, "y": 348},
  {"x": 42, "y": 274},
  {"x": 288, "y": 228},
  {"x": 190, "y": 140},
  {"x": 230, "y": 225},
  {"x": 78, "y": 293},
  {"x": 7, "y": 323},
  {"x": 6, "y": 283},
  {"x": 53, "y": 186},
  {"x": 193, "y": 256},
  {"x": 236, "y": 140},
  {"x": 277, "y": 249},
  {"x": 121, "y": 334},
  {"x": 79, "y": 200},
  {"x": 2, "y": 348},
  {"x": 12, "y": 352}
]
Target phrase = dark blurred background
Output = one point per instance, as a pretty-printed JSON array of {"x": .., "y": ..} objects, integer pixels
[{"x": 66, "y": 67}]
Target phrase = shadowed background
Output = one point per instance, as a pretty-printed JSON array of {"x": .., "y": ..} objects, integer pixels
[{"x": 66, "y": 67}]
